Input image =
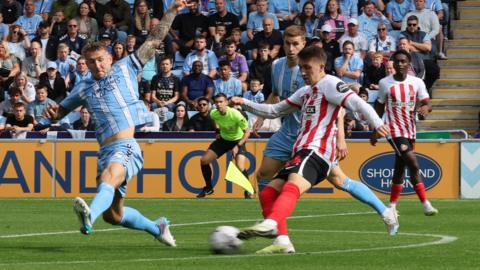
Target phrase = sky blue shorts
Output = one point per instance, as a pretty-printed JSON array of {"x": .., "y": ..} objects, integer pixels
[
  {"x": 280, "y": 146},
  {"x": 126, "y": 152}
]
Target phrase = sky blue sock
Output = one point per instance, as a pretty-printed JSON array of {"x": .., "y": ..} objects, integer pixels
[
  {"x": 135, "y": 220},
  {"x": 362, "y": 193},
  {"x": 102, "y": 201}
]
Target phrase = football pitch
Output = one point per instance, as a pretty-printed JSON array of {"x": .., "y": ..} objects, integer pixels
[{"x": 327, "y": 234}]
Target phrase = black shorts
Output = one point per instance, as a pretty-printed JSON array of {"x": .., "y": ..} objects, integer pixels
[
  {"x": 221, "y": 146},
  {"x": 307, "y": 164},
  {"x": 404, "y": 145}
]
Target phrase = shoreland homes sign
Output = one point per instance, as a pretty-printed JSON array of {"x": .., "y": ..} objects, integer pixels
[{"x": 377, "y": 173}]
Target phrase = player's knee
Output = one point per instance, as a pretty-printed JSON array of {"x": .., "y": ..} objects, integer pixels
[
  {"x": 112, "y": 218},
  {"x": 336, "y": 181},
  {"x": 264, "y": 175}
]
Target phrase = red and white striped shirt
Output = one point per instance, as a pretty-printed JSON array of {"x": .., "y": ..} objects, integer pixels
[
  {"x": 399, "y": 98},
  {"x": 320, "y": 106}
]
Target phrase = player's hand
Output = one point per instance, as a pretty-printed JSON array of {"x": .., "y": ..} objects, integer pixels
[
  {"x": 423, "y": 110},
  {"x": 51, "y": 112},
  {"x": 373, "y": 139},
  {"x": 342, "y": 150},
  {"x": 178, "y": 5},
  {"x": 236, "y": 100},
  {"x": 382, "y": 131},
  {"x": 257, "y": 126}
]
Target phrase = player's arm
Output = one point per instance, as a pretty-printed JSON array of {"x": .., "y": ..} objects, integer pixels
[
  {"x": 354, "y": 103},
  {"x": 270, "y": 111},
  {"x": 341, "y": 143},
  {"x": 158, "y": 33}
]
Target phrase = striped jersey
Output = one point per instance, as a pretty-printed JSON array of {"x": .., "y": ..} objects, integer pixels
[
  {"x": 113, "y": 101},
  {"x": 399, "y": 98},
  {"x": 319, "y": 106},
  {"x": 285, "y": 81}
]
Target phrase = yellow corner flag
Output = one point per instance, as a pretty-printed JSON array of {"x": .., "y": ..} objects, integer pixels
[{"x": 234, "y": 175}]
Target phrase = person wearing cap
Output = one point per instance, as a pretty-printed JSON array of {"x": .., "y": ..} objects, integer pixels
[
  {"x": 106, "y": 40},
  {"x": 49, "y": 43},
  {"x": 358, "y": 39},
  {"x": 370, "y": 19},
  {"x": 334, "y": 19},
  {"x": 53, "y": 82}
]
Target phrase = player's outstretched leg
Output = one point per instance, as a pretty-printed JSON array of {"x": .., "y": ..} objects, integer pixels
[
  {"x": 428, "y": 209},
  {"x": 81, "y": 209}
]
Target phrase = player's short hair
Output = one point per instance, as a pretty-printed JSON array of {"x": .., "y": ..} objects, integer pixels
[
  {"x": 224, "y": 63},
  {"x": 294, "y": 31},
  {"x": 400, "y": 52},
  {"x": 93, "y": 47},
  {"x": 219, "y": 95},
  {"x": 313, "y": 52}
]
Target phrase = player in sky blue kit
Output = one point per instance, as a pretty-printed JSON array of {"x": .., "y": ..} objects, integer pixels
[{"x": 112, "y": 97}]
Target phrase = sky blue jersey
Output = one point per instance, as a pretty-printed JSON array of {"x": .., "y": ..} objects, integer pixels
[{"x": 112, "y": 101}]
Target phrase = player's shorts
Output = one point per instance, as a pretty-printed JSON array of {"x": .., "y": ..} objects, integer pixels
[
  {"x": 404, "y": 145},
  {"x": 220, "y": 146},
  {"x": 280, "y": 146},
  {"x": 126, "y": 152},
  {"x": 308, "y": 164}
]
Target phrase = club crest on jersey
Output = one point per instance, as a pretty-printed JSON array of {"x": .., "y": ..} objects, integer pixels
[
  {"x": 310, "y": 109},
  {"x": 342, "y": 87}
]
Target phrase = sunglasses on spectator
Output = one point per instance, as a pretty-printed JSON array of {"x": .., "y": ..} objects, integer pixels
[
  {"x": 382, "y": 29},
  {"x": 202, "y": 104},
  {"x": 72, "y": 25},
  {"x": 412, "y": 24}
]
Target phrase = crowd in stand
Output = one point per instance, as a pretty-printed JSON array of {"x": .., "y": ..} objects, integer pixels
[{"x": 214, "y": 46}]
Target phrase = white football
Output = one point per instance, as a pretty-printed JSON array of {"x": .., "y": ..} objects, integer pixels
[{"x": 224, "y": 240}]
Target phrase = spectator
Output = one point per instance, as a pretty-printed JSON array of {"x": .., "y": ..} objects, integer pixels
[
  {"x": 108, "y": 27},
  {"x": 358, "y": 39},
  {"x": 334, "y": 19},
  {"x": 396, "y": 11},
  {"x": 131, "y": 44},
  {"x": 349, "y": 8},
  {"x": 19, "y": 122},
  {"x": 11, "y": 11},
  {"x": 9, "y": 68},
  {"x": 179, "y": 122},
  {"x": 65, "y": 64},
  {"x": 349, "y": 66},
  {"x": 81, "y": 73},
  {"x": 35, "y": 64},
  {"x": 238, "y": 62},
  {"x": 54, "y": 83},
  {"x": 29, "y": 21},
  {"x": 165, "y": 87},
  {"x": 6, "y": 106},
  {"x": 58, "y": 26},
  {"x": 85, "y": 122},
  {"x": 370, "y": 19},
  {"x": 255, "y": 93},
  {"x": 361, "y": 119},
  {"x": 237, "y": 38},
  {"x": 208, "y": 59},
  {"x": 119, "y": 51},
  {"x": 239, "y": 9},
  {"x": 216, "y": 43},
  {"x": 270, "y": 36},
  {"x": 3, "y": 28},
  {"x": 427, "y": 19},
  {"x": 187, "y": 26},
  {"x": 73, "y": 39},
  {"x": 27, "y": 88},
  {"x": 222, "y": 16},
  {"x": 389, "y": 67},
  {"x": 120, "y": 11},
  {"x": 383, "y": 43},
  {"x": 196, "y": 85},
  {"x": 308, "y": 19},
  {"x": 49, "y": 43},
  {"x": 255, "y": 19},
  {"x": 202, "y": 121},
  {"x": 87, "y": 26},
  {"x": 261, "y": 68},
  {"x": 140, "y": 25},
  {"x": 97, "y": 10},
  {"x": 374, "y": 72},
  {"x": 69, "y": 8},
  {"x": 227, "y": 84},
  {"x": 284, "y": 10},
  {"x": 330, "y": 46},
  {"x": 38, "y": 106},
  {"x": 417, "y": 68},
  {"x": 17, "y": 42}
]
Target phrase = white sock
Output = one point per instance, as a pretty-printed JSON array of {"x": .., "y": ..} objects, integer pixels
[
  {"x": 269, "y": 222},
  {"x": 283, "y": 240},
  {"x": 393, "y": 205},
  {"x": 427, "y": 203}
]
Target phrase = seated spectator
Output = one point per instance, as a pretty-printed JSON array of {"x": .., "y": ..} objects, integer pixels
[
  {"x": 417, "y": 68},
  {"x": 350, "y": 124},
  {"x": 69, "y": 7},
  {"x": 307, "y": 19},
  {"x": 187, "y": 26},
  {"x": 131, "y": 44},
  {"x": 9, "y": 68},
  {"x": 396, "y": 11},
  {"x": 389, "y": 68},
  {"x": 64, "y": 63},
  {"x": 239, "y": 9},
  {"x": 108, "y": 27},
  {"x": 85, "y": 122},
  {"x": 74, "y": 40},
  {"x": 261, "y": 68},
  {"x": 19, "y": 122},
  {"x": 140, "y": 25},
  {"x": 6, "y": 106},
  {"x": 330, "y": 46},
  {"x": 202, "y": 121},
  {"x": 358, "y": 39},
  {"x": 196, "y": 85},
  {"x": 17, "y": 42},
  {"x": 38, "y": 106},
  {"x": 80, "y": 73},
  {"x": 107, "y": 41},
  {"x": 11, "y": 10},
  {"x": 87, "y": 26},
  {"x": 255, "y": 19},
  {"x": 222, "y": 16},
  {"x": 227, "y": 84},
  {"x": 349, "y": 66},
  {"x": 206, "y": 57},
  {"x": 53, "y": 82},
  {"x": 383, "y": 43},
  {"x": 270, "y": 36},
  {"x": 284, "y": 10},
  {"x": 179, "y": 122},
  {"x": 27, "y": 88},
  {"x": 374, "y": 72},
  {"x": 238, "y": 62},
  {"x": 29, "y": 20},
  {"x": 165, "y": 87},
  {"x": 334, "y": 19},
  {"x": 58, "y": 25},
  {"x": 237, "y": 38},
  {"x": 360, "y": 119},
  {"x": 349, "y": 9},
  {"x": 3, "y": 28},
  {"x": 216, "y": 43},
  {"x": 118, "y": 51},
  {"x": 370, "y": 19},
  {"x": 121, "y": 13},
  {"x": 49, "y": 42},
  {"x": 154, "y": 126},
  {"x": 35, "y": 64},
  {"x": 255, "y": 93}
]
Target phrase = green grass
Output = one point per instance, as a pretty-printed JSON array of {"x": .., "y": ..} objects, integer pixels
[{"x": 323, "y": 238}]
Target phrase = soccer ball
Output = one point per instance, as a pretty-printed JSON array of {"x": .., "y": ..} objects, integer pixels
[{"x": 224, "y": 240}]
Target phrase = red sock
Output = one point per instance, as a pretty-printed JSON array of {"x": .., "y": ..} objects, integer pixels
[
  {"x": 395, "y": 193},
  {"x": 268, "y": 196},
  {"x": 284, "y": 206},
  {"x": 420, "y": 190}
]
